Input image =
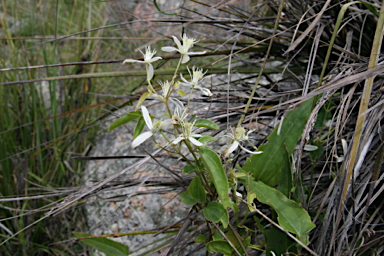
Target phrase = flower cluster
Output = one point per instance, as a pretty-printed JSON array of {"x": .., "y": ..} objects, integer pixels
[
  {"x": 185, "y": 130},
  {"x": 178, "y": 118},
  {"x": 214, "y": 188}
]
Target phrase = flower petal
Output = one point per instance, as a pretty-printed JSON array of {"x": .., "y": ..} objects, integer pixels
[
  {"x": 150, "y": 71},
  {"x": 205, "y": 91},
  {"x": 146, "y": 117},
  {"x": 308, "y": 147},
  {"x": 141, "y": 138},
  {"x": 177, "y": 140},
  {"x": 196, "y": 53},
  {"x": 165, "y": 124},
  {"x": 177, "y": 42},
  {"x": 169, "y": 49},
  {"x": 345, "y": 146},
  {"x": 185, "y": 59},
  {"x": 154, "y": 59},
  {"x": 195, "y": 142},
  {"x": 189, "y": 71},
  {"x": 232, "y": 148},
  {"x": 185, "y": 81},
  {"x": 250, "y": 152},
  {"x": 131, "y": 60}
]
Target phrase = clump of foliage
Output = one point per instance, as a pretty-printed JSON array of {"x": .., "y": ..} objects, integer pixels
[{"x": 213, "y": 192}]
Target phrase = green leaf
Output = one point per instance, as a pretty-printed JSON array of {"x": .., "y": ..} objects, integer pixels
[
  {"x": 107, "y": 246},
  {"x": 196, "y": 190},
  {"x": 267, "y": 167},
  {"x": 291, "y": 216},
  {"x": 139, "y": 127},
  {"x": 200, "y": 239},
  {"x": 371, "y": 7},
  {"x": 285, "y": 183},
  {"x": 213, "y": 165},
  {"x": 206, "y": 139},
  {"x": 207, "y": 124},
  {"x": 246, "y": 243},
  {"x": 181, "y": 93},
  {"x": 304, "y": 239},
  {"x": 279, "y": 242},
  {"x": 323, "y": 116},
  {"x": 142, "y": 99},
  {"x": 216, "y": 212},
  {"x": 187, "y": 199},
  {"x": 250, "y": 198},
  {"x": 125, "y": 119},
  {"x": 219, "y": 246},
  {"x": 217, "y": 236},
  {"x": 232, "y": 237},
  {"x": 189, "y": 168}
]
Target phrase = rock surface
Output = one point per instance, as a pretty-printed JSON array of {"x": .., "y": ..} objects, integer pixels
[{"x": 124, "y": 210}]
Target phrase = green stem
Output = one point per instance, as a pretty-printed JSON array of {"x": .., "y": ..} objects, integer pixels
[
  {"x": 176, "y": 70},
  {"x": 190, "y": 96},
  {"x": 176, "y": 150},
  {"x": 198, "y": 171}
]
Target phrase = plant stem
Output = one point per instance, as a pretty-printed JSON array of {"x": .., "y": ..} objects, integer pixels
[{"x": 176, "y": 70}]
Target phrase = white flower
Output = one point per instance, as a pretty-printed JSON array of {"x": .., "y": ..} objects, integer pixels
[
  {"x": 183, "y": 49},
  {"x": 181, "y": 113},
  {"x": 196, "y": 76},
  {"x": 167, "y": 87},
  {"x": 148, "y": 59},
  {"x": 239, "y": 136},
  {"x": 188, "y": 135},
  {"x": 154, "y": 127}
]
